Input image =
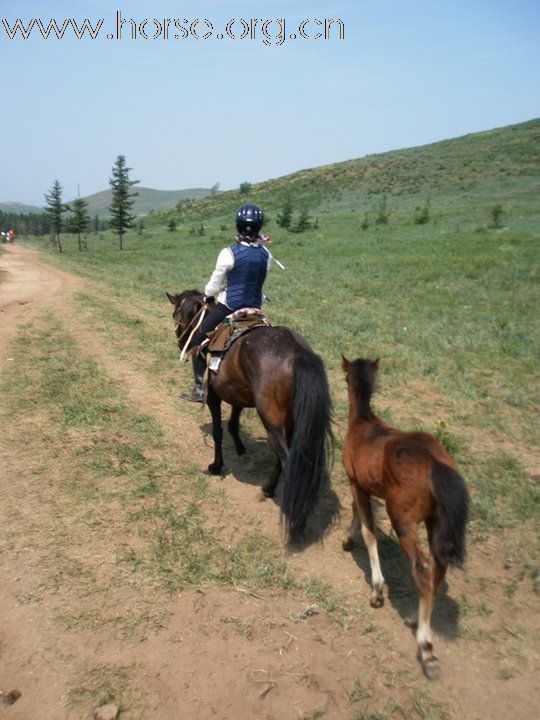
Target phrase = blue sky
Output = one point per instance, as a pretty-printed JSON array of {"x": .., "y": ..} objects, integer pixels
[{"x": 195, "y": 112}]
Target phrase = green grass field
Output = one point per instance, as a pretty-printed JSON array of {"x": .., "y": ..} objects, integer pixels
[{"x": 449, "y": 306}]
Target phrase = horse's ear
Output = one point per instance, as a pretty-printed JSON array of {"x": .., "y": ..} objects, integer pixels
[
  {"x": 344, "y": 363},
  {"x": 172, "y": 298},
  {"x": 375, "y": 364}
]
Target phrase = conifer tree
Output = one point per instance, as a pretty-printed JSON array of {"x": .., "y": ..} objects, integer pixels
[
  {"x": 80, "y": 221},
  {"x": 122, "y": 200},
  {"x": 304, "y": 221},
  {"x": 55, "y": 208},
  {"x": 382, "y": 214},
  {"x": 284, "y": 218}
]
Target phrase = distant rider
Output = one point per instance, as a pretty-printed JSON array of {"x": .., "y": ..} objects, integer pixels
[{"x": 242, "y": 267}]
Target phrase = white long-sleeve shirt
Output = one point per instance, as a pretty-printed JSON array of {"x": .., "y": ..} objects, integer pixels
[{"x": 225, "y": 262}]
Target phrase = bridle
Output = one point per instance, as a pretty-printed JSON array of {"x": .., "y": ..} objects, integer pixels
[{"x": 197, "y": 318}]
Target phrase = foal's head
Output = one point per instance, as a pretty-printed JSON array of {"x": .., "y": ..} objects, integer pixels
[
  {"x": 186, "y": 305},
  {"x": 360, "y": 375}
]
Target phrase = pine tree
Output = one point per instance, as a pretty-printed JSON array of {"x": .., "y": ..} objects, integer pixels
[
  {"x": 122, "y": 200},
  {"x": 55, "y": 208},
  {"x": 382, "y": 214},
  {"x": 284, "y": 218},
  {"x": 304, "y": 221},
  {"x": 80, "y": 221},
  {"x": 95, "y": 224}
]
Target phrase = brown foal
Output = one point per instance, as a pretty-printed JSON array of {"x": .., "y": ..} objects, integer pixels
[{"x": 414, "y": 475}]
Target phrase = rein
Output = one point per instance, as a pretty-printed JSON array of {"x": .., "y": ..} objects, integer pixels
[{"x": 200, "y": 314}]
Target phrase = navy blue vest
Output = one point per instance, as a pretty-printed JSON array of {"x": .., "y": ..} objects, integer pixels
[{"x": 245, "y": 280}]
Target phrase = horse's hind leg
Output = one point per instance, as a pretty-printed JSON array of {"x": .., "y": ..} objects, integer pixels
[
  {"x": 439, "y": 571},
  {"x": 278, "y": 443},
  {"x": 214, "y": 404},
  {"x": 268, "y": 490},
  {"x": 234, "y": 429},
  {"x": 362, "y": 505},
  {"x": 354, "y": 529},
  {"x": 422, "y": 571}
]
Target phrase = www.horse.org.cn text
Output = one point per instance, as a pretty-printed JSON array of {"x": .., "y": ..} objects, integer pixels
[{"x": 269, "y": 32}]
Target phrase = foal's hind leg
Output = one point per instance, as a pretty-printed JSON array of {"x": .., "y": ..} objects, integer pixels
[
  {"x": 362, "y": 509},
  {"x": 354, "y": 530},
  {"x": 439, "y": 571},
  {"x": 214, "y": 404},
  {"x": 234, "y": 429},
  {"x": 422, "y": 571}
]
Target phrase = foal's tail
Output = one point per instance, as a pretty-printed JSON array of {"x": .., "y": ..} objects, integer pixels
[
  {"x": 452, "y": 498},
  {"x": 305, "y": 472}
]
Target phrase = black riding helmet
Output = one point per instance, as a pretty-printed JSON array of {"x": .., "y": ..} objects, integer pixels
[{"x": 249, "y": 220}]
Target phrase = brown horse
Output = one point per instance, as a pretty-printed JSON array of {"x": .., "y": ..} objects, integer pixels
[
  {"x": 414, "y": 475},
  {"x": 274, "y": 370}
]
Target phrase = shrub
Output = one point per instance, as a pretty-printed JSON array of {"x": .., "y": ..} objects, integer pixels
[
  {"x": 422, "y": 213},
  {"x": 496, "y": 213}
]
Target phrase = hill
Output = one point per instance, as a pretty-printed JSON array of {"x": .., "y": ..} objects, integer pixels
[
  {"x": 148, "y": 200},
  {"x": 450, "y": 166},
  {"x": 19, "y": 208}
]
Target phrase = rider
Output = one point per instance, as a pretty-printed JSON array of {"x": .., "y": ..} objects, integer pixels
[{"x": 243, "y": 267}]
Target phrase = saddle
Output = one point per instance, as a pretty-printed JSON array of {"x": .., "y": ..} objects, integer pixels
[{"x": 229, "y": 331}]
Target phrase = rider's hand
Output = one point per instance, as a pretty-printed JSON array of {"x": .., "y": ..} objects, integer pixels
[{"x": 208, "y": 298}]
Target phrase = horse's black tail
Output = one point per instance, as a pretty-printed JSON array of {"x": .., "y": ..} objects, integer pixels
[
  {"x": 306, "y": 472},
  {"x": 452, "y": 498}
]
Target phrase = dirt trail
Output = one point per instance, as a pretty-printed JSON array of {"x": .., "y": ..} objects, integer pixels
[
  {"x": 26, "y": 282},
  {"x": 470, "y": 675}
]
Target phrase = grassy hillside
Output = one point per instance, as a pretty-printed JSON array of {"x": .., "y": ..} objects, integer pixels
[
  {"x": 148, "y": 200},
  {"x": 459, "y": 168}
]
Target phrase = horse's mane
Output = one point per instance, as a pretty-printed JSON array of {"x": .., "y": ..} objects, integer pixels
[{"x": 362, "y": 372}]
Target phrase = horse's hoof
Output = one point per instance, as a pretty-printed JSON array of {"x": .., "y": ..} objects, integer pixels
[
  {"x": 348, "y": 544},
  {"x": 431, "y": 668},
  {"x": 376, "y": 602},
  {"x": 215, "y": 468}
]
